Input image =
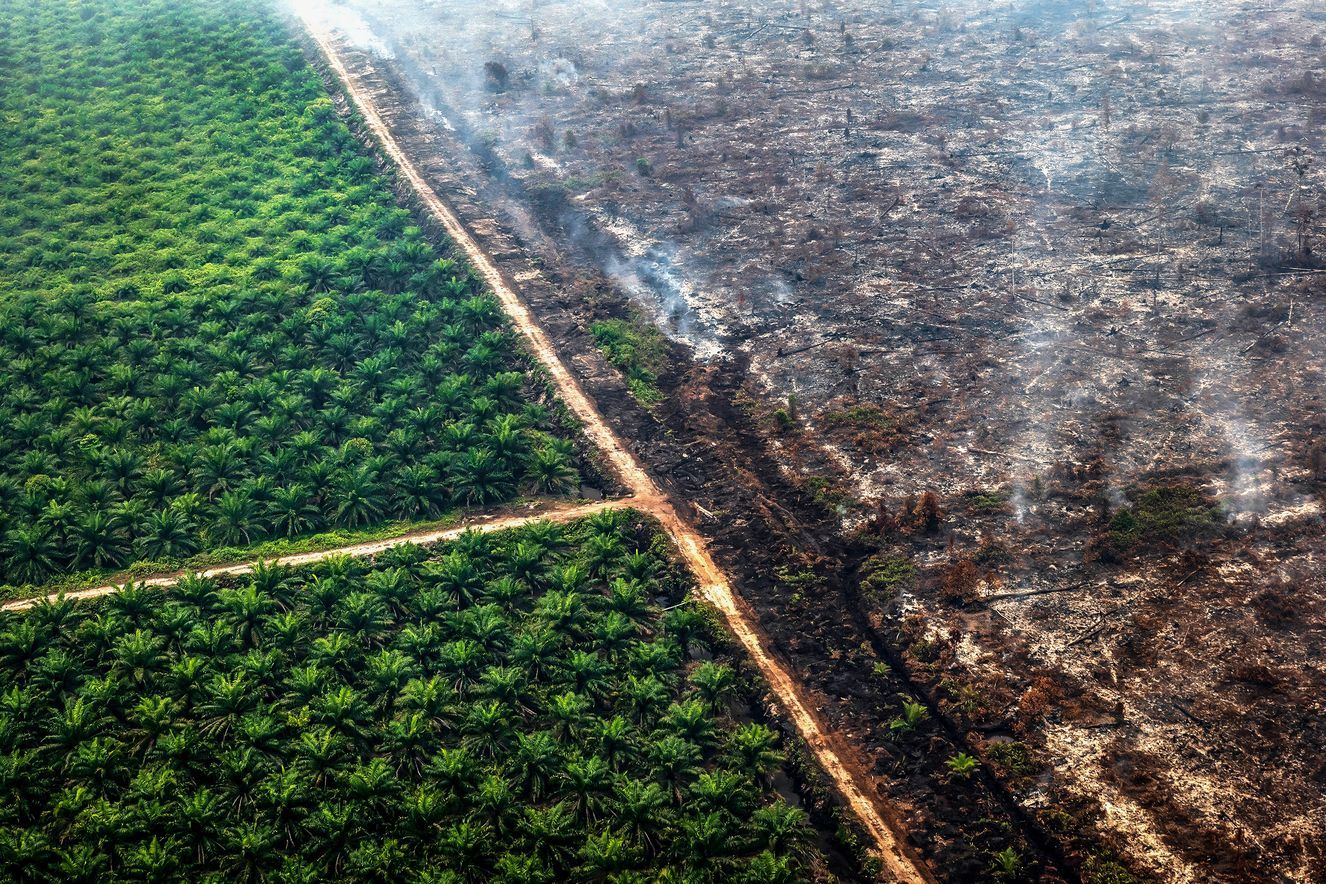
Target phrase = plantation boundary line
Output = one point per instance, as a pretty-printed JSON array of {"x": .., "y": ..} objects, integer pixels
[
  {"x": 898, "y": 861},
  {"x": 560, "y": 513}
]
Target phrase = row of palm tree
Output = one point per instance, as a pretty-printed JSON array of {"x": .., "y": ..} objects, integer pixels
[
  {"x": 216, "y": 326},
  {"x": 507, "y": 707}
]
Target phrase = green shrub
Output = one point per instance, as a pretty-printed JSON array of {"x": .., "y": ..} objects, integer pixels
[
  {"x": 1012, "y": 756},
  {"x": 1166, "y": 513},
  {"x": 887, "y": 575},
  {"x": 638, "y": 351}
]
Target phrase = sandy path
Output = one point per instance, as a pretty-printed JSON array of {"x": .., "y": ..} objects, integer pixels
[
  {"x": 560, "y": 513},
  {"x": 852, "y": 784}
]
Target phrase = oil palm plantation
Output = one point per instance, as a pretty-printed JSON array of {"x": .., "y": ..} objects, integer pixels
[{"x": 275, "y": 724}]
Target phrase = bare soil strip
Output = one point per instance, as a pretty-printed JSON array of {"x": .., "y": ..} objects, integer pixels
[
  {"x": 357, "y": 550},
  {"x": 830, "y": 752}
]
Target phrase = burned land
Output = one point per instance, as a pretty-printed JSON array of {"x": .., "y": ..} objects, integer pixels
[{"x": 1024, "y": 300}]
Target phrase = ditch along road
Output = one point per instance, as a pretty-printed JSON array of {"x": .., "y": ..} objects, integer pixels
[{"x": 831, "y": 752}]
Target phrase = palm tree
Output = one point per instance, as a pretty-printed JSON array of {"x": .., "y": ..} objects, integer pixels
[
  {"x": 784, "y": 829},
  {"x": 411, "y": 740},
  {"x": 83, "y": 862},
  {"x": 551, "y": 832},
  {"x": 537, "y": 758},
  {"x": 715, "y": 683},
  {"x": 568, "y": 712},
  {"x": 674, "y": 762},
  {"x": 219, "y": 469},
  {"x": 229, "y": 698},
  {"x": 721, "y": 790},
  {"x": 382, "y": 861},
  {"x": 431, "y": 697},
  {"x": 468, "y": 849},
  {"x": 235, "y": 519},
  {"x": 344, "y": 710},
  {"x": 705, "y": 844},
  {"x": 319, "y": 753},
  {"x": 30, "y": 554},
  {"x": 80, "y": 720},
  {"x": 616, "y": 741},
  {"x": 168, "y": 534},
  {"x": 455, "y": 575},
  {"x": 586, "y": 673},
  {"x": 358, "y": 498},
  {"x": 754, "y": 747},
  {"x": 600, "y": 551},
  {"x": 495, "y": 804},
  {"x": 364, "y": 616},
  {"x": 252, "y": 851},
  {"x": 769, "y": 868},
  {"x": 291, "y": 510},
  {"x": 416, "y": 492},
  {"x": 587, "y": 781},
  {"x": 139, "y": 655},
  {"x": 98, "y": 542},
  {"x": 606, "y": 854},
  {"x": 683, "y": 625},
  {"x": 317, "y": 273},
  {"x": 613, "y": 633},
  {"x": 154, "y": 861},
  {"x": 550, "y": 472},
  {"x": 690, "y": 719},
  {"x": 508, "y": 686},
  {"x": 245, "y": 610},
  {"x": 642, "y": 810},
  {"x": 373, "y": 787},
  {"x": 462, "y": 660},
  {"x": 387, "y": 672},
  {"x": 487, "y": 728},
  {"x": 644, "y": 696},
  {"x": 479, "y": 477}
]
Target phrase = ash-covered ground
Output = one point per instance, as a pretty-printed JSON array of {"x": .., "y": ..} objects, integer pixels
[{"x": 1056, "y": 262}]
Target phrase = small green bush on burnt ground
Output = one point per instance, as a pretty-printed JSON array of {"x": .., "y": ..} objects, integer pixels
[
  {"x": 215, "y": 325},
  {"x": 638, "y": 351},
  {"x": 509, "y": 707},
  {"x": 1159, "y": 516}
]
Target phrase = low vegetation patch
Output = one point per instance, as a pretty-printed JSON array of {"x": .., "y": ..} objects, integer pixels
[
  {"x": 868, "y": 427},
  {"x": 1164, "y": 514},
  {"x": 638, "y": 351},
  {"x": 509, "y": 707},
  {"x": 887, "y": 575},
  {"x": 990, "y": 501}
]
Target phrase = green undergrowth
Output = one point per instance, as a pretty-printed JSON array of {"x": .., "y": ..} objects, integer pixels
[
  {"x": 1164, "y": 514},
  {"x": 638, "y": 351}
]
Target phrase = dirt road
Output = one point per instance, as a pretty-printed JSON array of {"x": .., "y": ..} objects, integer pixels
[
  {"x": 561, "y": 513},
  {"x": 852, "y": 783}
]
